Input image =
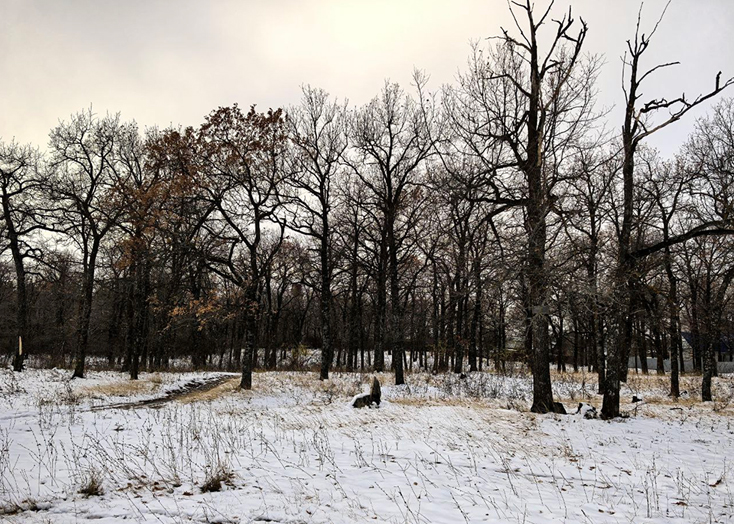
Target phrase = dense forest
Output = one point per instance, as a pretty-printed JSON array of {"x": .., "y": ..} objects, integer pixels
[{"x": 502, "y": 219}]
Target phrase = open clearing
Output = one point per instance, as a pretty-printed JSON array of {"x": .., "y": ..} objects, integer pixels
[{"x": 439, "y": 449}]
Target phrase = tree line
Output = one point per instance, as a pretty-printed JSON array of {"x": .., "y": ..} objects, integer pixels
[{"x": 495, "y": 220}]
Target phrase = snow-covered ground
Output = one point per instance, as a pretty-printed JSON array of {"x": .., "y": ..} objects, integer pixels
[{"x": 440, "y": 449}]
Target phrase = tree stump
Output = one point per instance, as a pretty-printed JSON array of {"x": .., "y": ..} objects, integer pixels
[{"x": 368, "y": 399}]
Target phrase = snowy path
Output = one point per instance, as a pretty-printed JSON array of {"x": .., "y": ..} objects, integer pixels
[{"x": 187, "y": 390}]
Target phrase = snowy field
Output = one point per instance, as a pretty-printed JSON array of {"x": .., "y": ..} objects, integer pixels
[{"x": 440, "y": 449}]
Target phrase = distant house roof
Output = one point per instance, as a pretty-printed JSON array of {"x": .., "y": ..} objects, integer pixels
[{"x": 725, "y": 344}]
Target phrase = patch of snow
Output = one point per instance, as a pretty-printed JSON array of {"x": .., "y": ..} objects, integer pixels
[{"x": 292, "y": 450}]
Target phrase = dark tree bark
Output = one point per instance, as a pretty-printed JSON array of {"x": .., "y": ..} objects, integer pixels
[
  {"x": 242, "y": 157},
  {"x": 520, "y": 99},
  {"x": 83, "y": 160},
  {"x": 393, "y": 136},
  {"x": 318, "y": 132},
  {"x": 21, "y": 216},
  {"x": 85, "y": 309},
  {"x": 636, "y": 128},
  {"x": 474, "y": 330}
]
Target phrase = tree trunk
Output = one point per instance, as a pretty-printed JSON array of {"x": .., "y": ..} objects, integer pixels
[
  {"x": 354, "y": 320},
  {"x": 659, "y": 349},
  {"x": 575, "y": 344},
  {"x": 675, "y": 341},
  {"x": 251, "y": 305},
  {"x": 85, "y": 311},
  {"x": 459, "y": 293},
  {"x": 21, "y": 310},
  {"x": 381, "y": 313},
  {"x": 473, "y": 334},
  {"x": 139, "y": 327},
  {"x": 396, "y": 306},
  {"x": 559, "y": 346},
  {"x": 326, "y": 300},
  {"x": 536, "y": 231},
  {"x": 708, "y": 369},
  {"x": 21, "y": 315}
]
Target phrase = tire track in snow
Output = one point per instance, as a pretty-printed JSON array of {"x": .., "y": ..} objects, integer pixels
[{"x": 190, "y": 388}]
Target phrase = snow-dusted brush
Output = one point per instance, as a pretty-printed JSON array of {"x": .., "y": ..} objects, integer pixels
[
  {"x": 587, "y": 411},
  {"x": 293, "y": 449}
]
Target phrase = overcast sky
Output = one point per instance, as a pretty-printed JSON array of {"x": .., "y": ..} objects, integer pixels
[{"x": 165, "y": 62}]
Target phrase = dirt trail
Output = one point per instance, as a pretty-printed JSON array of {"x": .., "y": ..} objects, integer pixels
[{"x": 189, "y": 389}]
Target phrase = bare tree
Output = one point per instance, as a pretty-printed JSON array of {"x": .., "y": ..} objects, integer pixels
[
  {"x": 393, "y": 136},
  {"x": 530, "y": 102},
  {"x": 669, "y": 186},
  {"x": 141, "y": 192},
  {"x": 640, "y": 123},
  {"x": 709, "y": 157},
  {"x": 20, "y": 186},
  {"x": 317, "y": 130},
  {"x": 81, "y": 163},
  {"x": 350, "y": 227},
  {"x": 595, "y": 166},
  {"x": 709, "y": 269},
  {"x": 242, "y": 156}
]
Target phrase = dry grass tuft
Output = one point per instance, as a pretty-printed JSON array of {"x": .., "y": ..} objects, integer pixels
[
  {"x": 226, "y": 388},
  {"x": 127, "y": 388},
  {"x": 447, "y": 401},
  {"x": 92, "y": 484},
  {"x": 216, "y": 478}
]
